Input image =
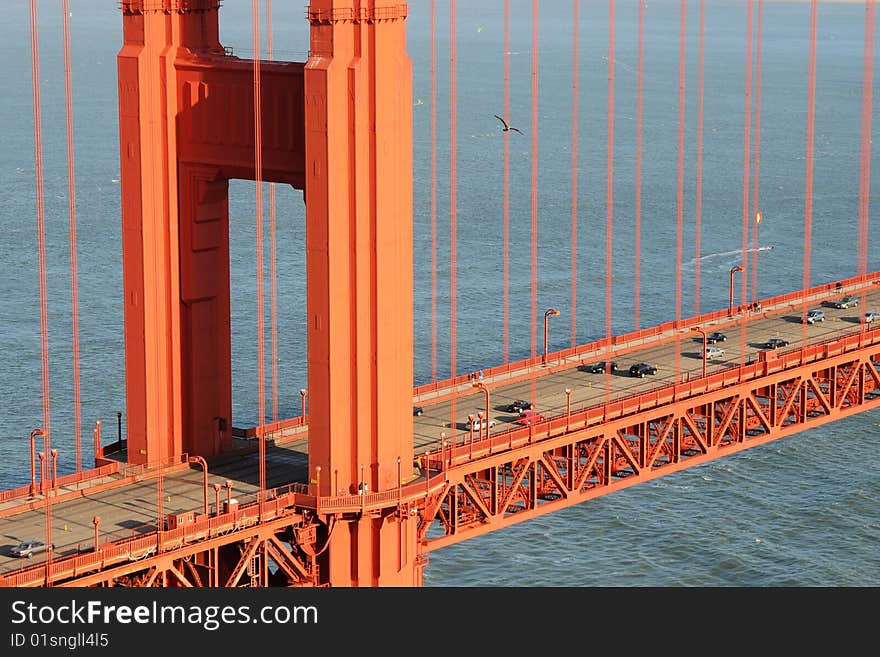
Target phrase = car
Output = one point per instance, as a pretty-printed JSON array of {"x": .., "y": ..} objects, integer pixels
[
  {"x": 847, "y": 302},
  {"x": 814, "y": 316},
  {"x": 478, "y": 423},
  {"x": 775, "y": 343},
  {"x": 27, "y": 549},
  {"x": 418, "y": 410},
  {"x": 529, "y": 417},
  {"x": 713, "y": 352},
  {"x": 716, "y": 336},
  {"x": 872, "y": 316},
  {"x": 599, "y": 368},
  {"x": 518, "y": 406},
  {"x": 640, "y": 369}
]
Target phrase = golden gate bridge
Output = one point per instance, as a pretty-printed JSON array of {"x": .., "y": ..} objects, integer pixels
[{"x": 375, "y": 473}]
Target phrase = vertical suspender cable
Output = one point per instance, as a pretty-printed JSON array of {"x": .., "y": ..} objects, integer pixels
[
  {"x": 865, "y": 166},
  {"x": 506, "y": 201},
  {"x": 747, "y": 141},
  {"x": 609, "y": 191},
  {"x": 41, "y": 246},
  {"x": 534, "y": 195},
  {"x": 71, "y": 193},
  {"x": 433, "y": 190},
  {"x": 452, "y": 204},
  {"x": 756, "y": 215},
  {"x": 574, "y": 170},
  {"x": 679, "y": 196},
  {"x": 258, "y": 176},
  {"x": 808, "y": 185},
  {"x": 698, "y": 210},
  {"x": 273, "y": 269},
  {"x": 637, "y": 247}
]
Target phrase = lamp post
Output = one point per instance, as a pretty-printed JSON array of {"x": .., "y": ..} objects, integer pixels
[
  {"x": 303, "y": 392},
  {"x": 54, "y": 453},
  {"x": 482, "y": 386},
  {"x": 216, "y": 499},
  {"x": 34, "y": 434},
  {"x": 42, "y": 473},
  {"x": 96, "y": 521},
  {"x": 733, "y": 270},
  {"x": 703, "y": 333},
  {"x": 201, "y": 461},
  {"x": 547, "y": 314},
  {"x": 567, "y": 407}
]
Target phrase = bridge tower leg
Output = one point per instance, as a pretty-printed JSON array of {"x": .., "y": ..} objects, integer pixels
[
  {"x": 157, "y": 274},
  {"x": 358, "y": 137}
]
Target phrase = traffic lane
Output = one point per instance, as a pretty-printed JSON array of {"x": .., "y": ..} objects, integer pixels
[{"x": 588, "y": 388}]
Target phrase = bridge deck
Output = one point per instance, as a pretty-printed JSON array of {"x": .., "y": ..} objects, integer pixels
[{"x": 127, "y": 505}]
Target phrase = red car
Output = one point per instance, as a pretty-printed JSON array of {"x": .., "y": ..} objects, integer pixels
[{"x": 529, "y": 417}]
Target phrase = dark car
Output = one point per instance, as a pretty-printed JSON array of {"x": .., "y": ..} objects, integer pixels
[
  {"x": 418, "y": 410},
  {"x": 599, "y": 368},
  {"x": 27, "y": 549},
  {"x": 716, "y": 336},
  {"x": 775, "y": 343},
  {"x": 640, "y": 369},
  {"x": 847, "y": 302},
  {"x": 518, "y": 406}
]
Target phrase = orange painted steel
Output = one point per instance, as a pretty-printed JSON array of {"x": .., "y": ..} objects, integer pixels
[{"x": 338, "y": 127}]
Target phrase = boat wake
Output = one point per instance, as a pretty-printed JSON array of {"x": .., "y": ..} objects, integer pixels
[{"x": 722, "y": 260}]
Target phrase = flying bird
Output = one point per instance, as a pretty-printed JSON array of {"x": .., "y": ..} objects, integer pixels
[{"x": 507, "y": 128}]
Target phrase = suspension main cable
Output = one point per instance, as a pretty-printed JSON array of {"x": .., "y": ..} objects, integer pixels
[
  {"x": 609, "y": 193},
  {"x": 637, "y": 247},
  {"x": 574, "y": 170},
  {"x": 747, "y": 141},
  {"x": 865, "y": 164},
  {"x": 452, "y": 206},
  {"x": 433, "y": 190},
  {"x": 74, "y": 286},
  {"x": 41, "y": 248},
  {"x": 679, "y": 203},
  {"x": 755, "y": 217},
  {"x": 506, "y": 192},
  {"x": 258, "y": 176},
  {"x": 698, "y": 210},
  {"x": 534, "y": 194},
  {"x": 273, "y": 271},
  {"x": 808, "y": 186}
]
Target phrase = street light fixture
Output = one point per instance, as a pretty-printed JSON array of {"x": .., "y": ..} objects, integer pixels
[
  {"x": 482, "y": 386},
  {"x": 733, "y": 270},
  {"x": 703, "y": 333},
  {"x": 567, "y": 407},
  {"x": 303, "y": 392},
  {"x": 547, "y": 314},
  {"x": 34, "y": 434}
]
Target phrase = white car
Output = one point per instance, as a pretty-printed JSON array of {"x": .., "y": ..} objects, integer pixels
[
  {"x": 477, "y": 424},
  {"x": 872, "y": 316},
  {"x": 713, "y": 352}
]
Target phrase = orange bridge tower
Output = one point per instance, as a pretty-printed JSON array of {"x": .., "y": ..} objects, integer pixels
[{"x": 338, "y": 127}]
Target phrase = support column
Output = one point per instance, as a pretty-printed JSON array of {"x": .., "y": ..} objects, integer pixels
[{"x": 358, "y": 102}]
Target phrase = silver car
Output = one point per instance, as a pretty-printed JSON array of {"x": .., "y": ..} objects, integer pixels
[
  {"x": 713, "y": 352},
  {"x": 27, "y": 549},
  {"x": 872, "y": 316}
]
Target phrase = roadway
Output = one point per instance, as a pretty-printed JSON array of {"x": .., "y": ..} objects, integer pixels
[{"x": 132, "y": 508}]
